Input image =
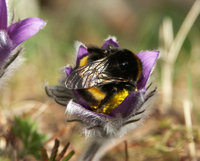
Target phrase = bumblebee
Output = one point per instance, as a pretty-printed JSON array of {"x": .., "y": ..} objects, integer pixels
[{"x": 105, "y": 77}]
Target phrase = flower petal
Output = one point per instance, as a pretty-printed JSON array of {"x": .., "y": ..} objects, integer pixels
[
  {"x": 68, "y": 70},
  {"x": 129, "y": 104},
  {"x": 81, "y": 100},
  {"x": 24, "y": 29},
  {"x": 3, "y": 14},
  {"x": 82, "y": 52},
  {"x": 5, "y": 46},
  {"x": 83, "y": 113},
  {"x": 148, "y": 59},
  {"x": 110, "y": 41}
]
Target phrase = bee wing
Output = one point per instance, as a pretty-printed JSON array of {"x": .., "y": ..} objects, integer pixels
[{"x": 89, "y": 75}]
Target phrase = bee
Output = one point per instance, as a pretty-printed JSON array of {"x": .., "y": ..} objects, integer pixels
[{"x": 105, "y": 77}]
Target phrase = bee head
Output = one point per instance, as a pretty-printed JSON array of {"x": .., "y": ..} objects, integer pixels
[{"x": 125, "y": 64}]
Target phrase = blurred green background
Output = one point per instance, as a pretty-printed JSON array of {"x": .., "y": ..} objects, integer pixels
[{"x": 136, "y": 25}]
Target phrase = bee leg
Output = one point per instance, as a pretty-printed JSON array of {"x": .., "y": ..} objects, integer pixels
[{"x": 106, "y": 99}]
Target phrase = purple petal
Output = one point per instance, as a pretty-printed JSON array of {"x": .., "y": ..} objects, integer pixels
[
  {"x": 24, "y": 29},
  {"x": 110, "y": 41},
  {"x": 82, "y": 101},
  {"x": 68, "y": 70},
  {"x": 3, "y": 14},
  {"x": 82, "y": 52},
  {"x": 85, "y": 104},
  {"x": 129, "y": 104},
  {"x": 83, "y": 113},
  {"x": 148, "y": 59},
  {"x": 5, "y": 46}
]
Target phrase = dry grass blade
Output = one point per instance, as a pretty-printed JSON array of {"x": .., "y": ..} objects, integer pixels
[
  {"x": 44, "y": 154},
  {"x": 54, "y": 150},
  {"x": 184, "y": 30},
  {"x": 188, "y": 121},
  {"x": 61, "y": 155},
  {"x": 71, "y": 153},
  {"x": 171, "y": 50},
  {"x": 166, "y": 38},
  {"x": 126, "y": 150}
]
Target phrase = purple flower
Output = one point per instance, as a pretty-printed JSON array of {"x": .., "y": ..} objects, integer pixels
[
  {"x": 127, "y": 115},
  {"x": 13, "y": 35}
]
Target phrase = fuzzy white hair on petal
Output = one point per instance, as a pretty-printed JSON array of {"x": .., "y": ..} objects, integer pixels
[
  {"x": 68, "y": 65},
  {"x": 68, "y": 106},
  {"x": 62, "y": 69},
  {"x": 9, "y": 18},
  {"x": 13, "y": 67},
  {"x": 113, "y": 125},
  {"x": 4, "y": 39},
  {"x": 77, "y": 45},
  {"x": 111, "y": 37},
  {"x": 141, "y": 92},
  {"x": 147, "y": 106},
  {"x": 77, "y": 110}
]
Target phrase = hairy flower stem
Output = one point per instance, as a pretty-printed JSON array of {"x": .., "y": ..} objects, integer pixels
[{"x": 95, "y": 150}]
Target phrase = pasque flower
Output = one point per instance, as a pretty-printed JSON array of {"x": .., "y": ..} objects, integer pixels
[
  {"x": 12, "y": 35},
  {"x": 127, "y": 115}
]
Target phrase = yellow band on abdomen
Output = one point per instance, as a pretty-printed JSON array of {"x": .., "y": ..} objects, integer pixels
[{"x": 96, "y": 93}]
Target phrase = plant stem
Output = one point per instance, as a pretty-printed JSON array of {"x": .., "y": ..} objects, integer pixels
[
  {"x": 96, "y": 149},
  {"x": 91, "y": 150},
  {"x": 187, "y": 105},
  {"x": 171, "y": 50},
  {"x": 184, "y": 30}
]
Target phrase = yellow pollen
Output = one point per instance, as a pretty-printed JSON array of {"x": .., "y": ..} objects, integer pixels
[
  {"x": 114, "y": 102},
  {"x": 83, "y": 61}
]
